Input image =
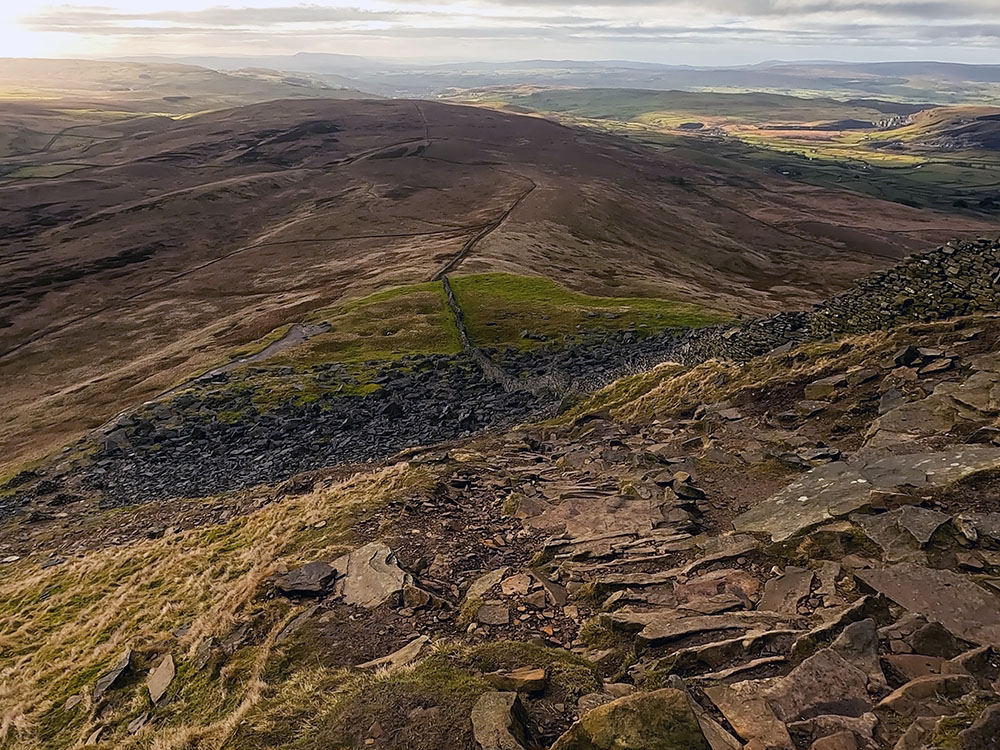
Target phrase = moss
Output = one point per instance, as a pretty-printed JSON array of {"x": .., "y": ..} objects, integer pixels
[
  {"x": 948, "y": 729},
  {"x": 469, "y": 611},
  {"x": 511, "y": 505},
  {"x": 661, "y": 720},
  {"x": 596, "y": 634},
  {"x": 591, "y": 593}
]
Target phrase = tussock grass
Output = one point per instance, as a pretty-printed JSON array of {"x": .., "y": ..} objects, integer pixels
[
  {"x": 61, "y": 628},
  {"x": 668, "y": 388},
  {"x": 320, "y": 709}
]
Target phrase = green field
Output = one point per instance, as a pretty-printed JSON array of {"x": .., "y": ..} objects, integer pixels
[
  {"x": 685, "y": 106},
  {"x": 918, "y": 163}
]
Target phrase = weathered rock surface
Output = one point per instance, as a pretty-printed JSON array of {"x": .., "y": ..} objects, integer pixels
[
  {"x": 836, "y": 490},
  {"x": 160, "y": 678},
  {"x": 499, "y": 722},
  {"x": 750, "y": 715},
  {"x": 660, "y": 720},
  {"x": 825, "y": 683},
  {"x": 400, "y": 658},
  {"x": 964, "y": 608},
  {"x": 525, "y": 679},
  {"x": 311, "y": 579},
  {"x": 369, "y": 575},
  {"x": 110, "y": 678}
]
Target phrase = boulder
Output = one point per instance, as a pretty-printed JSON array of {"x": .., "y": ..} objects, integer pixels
[
  {"x": 311, "y": 579},
  {"x": 825, "y": 683},
  {"x": 370, "y": 576},
  {"x": 750, "y": 715},
  {"x": 934, "y": 639},
  {"x": 499, "y": 722},
  {"x": 660, "y": 720},
  {"x": 858, "y": 644}
]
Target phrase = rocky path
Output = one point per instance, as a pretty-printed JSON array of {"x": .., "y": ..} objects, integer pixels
[{"x": 769, "y": 571}]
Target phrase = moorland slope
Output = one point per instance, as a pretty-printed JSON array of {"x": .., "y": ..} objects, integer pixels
[{"x": 167, "y": 247}]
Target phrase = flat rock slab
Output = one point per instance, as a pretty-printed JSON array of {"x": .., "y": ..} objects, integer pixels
[
  {"x": 523, "y": 680},
  {"x": 404, "y": 656},
  {"x": 921, "y": 523},
  {"x": 110, "y": 678},
  {"x": 930, "y": 695},
  {"x": 659, "y": 631},
  {"x": 963, "y": 607},
  {"x": 371, "y": 575},
  {"x": 825, "y": 683},
  {"x": 783, "y": 593},
  {"x": 837, "y": 490},
  {"x": 160, "y": 678},
  {"x": 479, "y": 587},
  {"x": 584, "y": 514},
  {"x": 311, "y": 579},
  {"x": 902, "y": 534},
  {"x": 661, "y": 720},
  {"x": 826, "y": 492},
  {"x": 750, "y": 716}
]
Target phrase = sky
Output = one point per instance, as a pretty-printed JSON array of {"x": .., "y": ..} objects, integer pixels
[{"x": 696, "y": 32}]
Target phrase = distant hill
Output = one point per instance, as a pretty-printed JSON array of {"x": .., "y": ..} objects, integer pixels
[
  {"x": 166, "y": 87},
  {"x": 942, "y": 83}
]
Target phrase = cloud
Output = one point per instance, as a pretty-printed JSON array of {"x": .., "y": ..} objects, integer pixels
[{"x": 779, "y": 22}]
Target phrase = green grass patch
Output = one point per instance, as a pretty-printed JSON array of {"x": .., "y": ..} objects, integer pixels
[
  {"x": 498, "y": 307},
  {"x": 384, "y": 326}
]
